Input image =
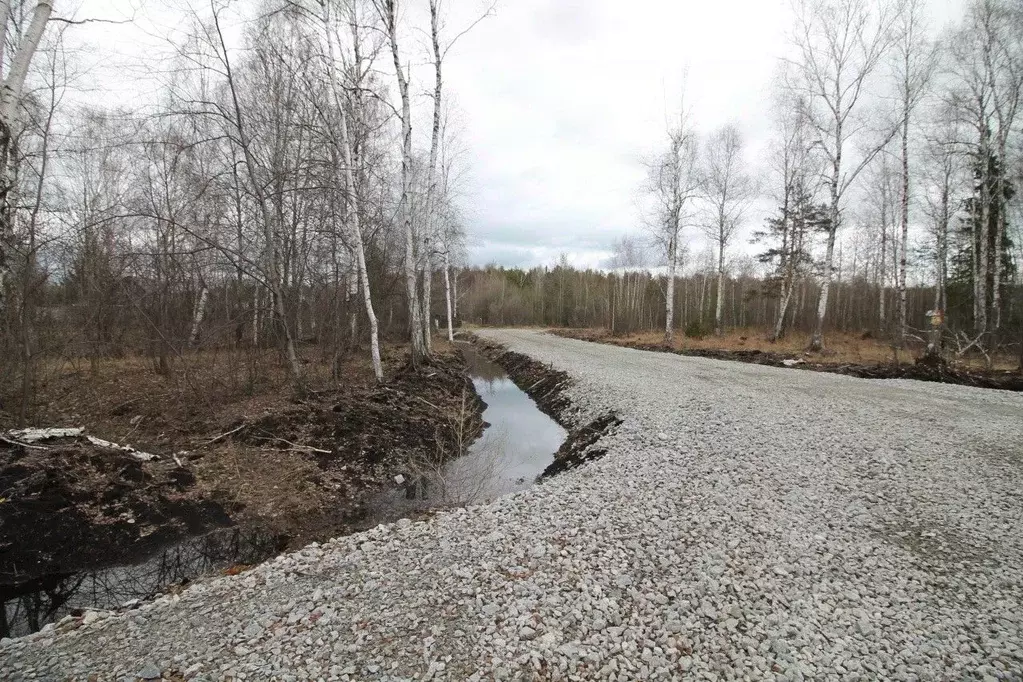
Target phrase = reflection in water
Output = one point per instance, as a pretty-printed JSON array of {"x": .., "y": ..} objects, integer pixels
[
  {"x": 28, "y": 606},
  {"x": 517, "y": 446}
]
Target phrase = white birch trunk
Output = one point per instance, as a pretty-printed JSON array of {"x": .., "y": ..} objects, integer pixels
[
  {"x": 10, "y": 101},
  {"x": 996, "y": 265},
  {"x": 411, "y": 285},
  {"x": 454, "y": 292},
  {"x": 783, "y": 307},
  {"x": 353, "y": 194},
  {"x": 718, "y": 328},
  {"x": 427, "y": 292},
  {"x": 351, "y": 294},
  {"x": 447, "y": 296},
  {"x": 669, "y": 294},
  {"x": 983, "y": 257},
  {"x": 199, "y": 314},
  {"x": 255, "y": 317},
  {"x": 900, "y": 333},
  {"x": 817, "y": 340},
  {"x": 882, "y": 267},
  {"x": 431, "y": 188}
]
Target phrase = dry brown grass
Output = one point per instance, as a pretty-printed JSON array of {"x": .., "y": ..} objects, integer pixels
[
  {"x": 841, "y": 348},
  {"x": 127, "y": 400},
  {"x": 208, "y": 394},
  {"x": 272, "y": 485}
]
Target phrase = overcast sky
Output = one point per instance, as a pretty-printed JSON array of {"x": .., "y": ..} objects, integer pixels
[
  {"x": 563, "y": 100},
  {"x": 560, "y": 101}
]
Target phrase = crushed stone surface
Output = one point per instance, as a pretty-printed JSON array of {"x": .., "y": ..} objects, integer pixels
[{"x": 747, "y": 523}]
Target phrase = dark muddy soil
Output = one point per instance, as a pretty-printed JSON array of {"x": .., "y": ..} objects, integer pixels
[
  {"x": 922, "y": 370},
  {"x": 352, "y": 443},
  {"x": 74, "y": 506},
  {"x": 303, "y": 470},
  {"x": 546, "y": 386}
]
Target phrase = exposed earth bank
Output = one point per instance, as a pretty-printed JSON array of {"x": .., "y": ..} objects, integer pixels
[{"x": 301, "y": 471}]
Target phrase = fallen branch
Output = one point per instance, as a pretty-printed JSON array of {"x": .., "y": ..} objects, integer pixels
[
  {"x": 137, "y": 454},
  {"x": 23, "y": 445},
  {"x": 297, "y": 445},
  {"x": 36, "y": 435},
  {"x": 428, "y": 403},
  {"x": 225, "y": 435},
  {"x": 542, "y": 379}
]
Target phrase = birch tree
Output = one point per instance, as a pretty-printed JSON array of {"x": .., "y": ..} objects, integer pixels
[
  {"x": 840, "y": 44},
  {"x": 347, "y": 173},
  {"x": 208, "y": 50},
  {"x": 943, "y": 176},
  {"x": 434, "y": 204},
  {"x": 882, "y": 184},
  {"x": 431, "y": 171},
  {"x": 387, "y": 9},
  {"x": 913, "y": 66},
  {"x": 728, "y": 190},
  {"x": 11, "y": 95},
  {"x": 1004, "y": 68},
  {"x": 673, "y": 184},
  {"x": 790, "y": 234}
]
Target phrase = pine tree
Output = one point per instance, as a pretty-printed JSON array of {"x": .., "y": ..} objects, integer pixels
[{"x": 789, "y": 236}]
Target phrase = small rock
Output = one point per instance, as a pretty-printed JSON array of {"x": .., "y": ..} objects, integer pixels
[{"x": 149, "y": 672}]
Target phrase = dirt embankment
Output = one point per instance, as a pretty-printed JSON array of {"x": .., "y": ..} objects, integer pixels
[
  {"x": 70, "y": 504},
  {"x": 301, "y": 468},
  {"x": 547, "y": 387},
  {"x": 921, "y": 370}
]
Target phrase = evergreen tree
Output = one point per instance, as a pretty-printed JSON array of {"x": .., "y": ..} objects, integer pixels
[{"x": 789, "y": 236}]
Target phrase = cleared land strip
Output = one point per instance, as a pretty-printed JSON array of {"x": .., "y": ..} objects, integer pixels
[{"x": 747, "y": 522}]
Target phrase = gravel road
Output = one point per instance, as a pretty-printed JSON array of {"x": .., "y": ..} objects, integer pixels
[{"x": 748, "y": 522}]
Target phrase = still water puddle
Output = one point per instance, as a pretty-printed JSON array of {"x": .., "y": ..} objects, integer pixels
[
  {"x": 515, "y": 448},
  {"x": 519, "y": 443},
  {"x": 27, "y": 607}
]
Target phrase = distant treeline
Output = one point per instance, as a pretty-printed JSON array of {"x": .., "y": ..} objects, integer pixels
[{"x": 630, "y": 301}]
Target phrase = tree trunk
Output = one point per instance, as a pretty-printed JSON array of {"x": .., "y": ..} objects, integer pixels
[
  {"x": 10, "y": 100},
  {"x": 255, "y": 316},
  {"x": 817, "y": 340},
  {"x": 882, "y": 314},
  {"x": 718, "y": 328},
  {"x": 273, "y": 272},
  {"x": 355, "y": 217},
  {"x": 411, "y": 284},
  {"x": 900, "y": 333},
  {"x": 669, "y": 294},
  {"x": 198, "y": 314},
  {"x": 447, "y": 296},
  {"x": 996, "y": 264},
  {"x": 983, "y": 237},
  {"x": 783, "y": 307},
  {"x": 427, "y": 293}
]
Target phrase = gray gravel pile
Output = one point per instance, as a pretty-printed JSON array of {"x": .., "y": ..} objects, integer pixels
[{"x": 748, "y": 522}]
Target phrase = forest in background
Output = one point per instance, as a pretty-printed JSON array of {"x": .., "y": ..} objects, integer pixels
[
  {"x": 293, "y": 188},
  {"x": 286, "y": 188},
  {"x": 893, "y": 166}
]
